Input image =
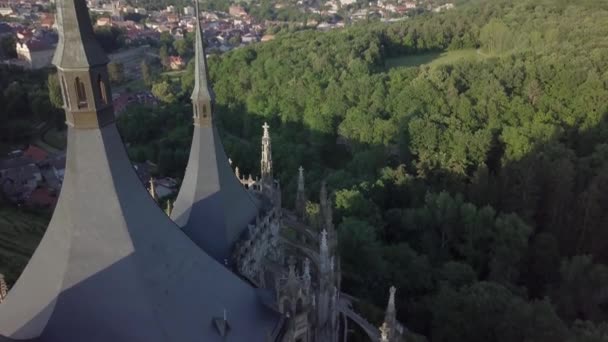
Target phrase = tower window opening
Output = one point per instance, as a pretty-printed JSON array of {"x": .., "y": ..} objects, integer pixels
[
  {"x": 81, "y": 93},
  {"x": 102, "y": 90},
  {"x": 195, "y": 111},
  {"x": 204, "y": 111},
  {"x": 64, "y": 92}
]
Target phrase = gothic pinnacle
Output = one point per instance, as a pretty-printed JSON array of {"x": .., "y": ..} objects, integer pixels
[{"x": 301, "y": 179}]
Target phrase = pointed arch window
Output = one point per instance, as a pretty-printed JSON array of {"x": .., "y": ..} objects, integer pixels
[
  {"x": 81, "y": 95},
  {"x": 102, "y": 90},
  {"x": 196, "y": 111},
  {"x": 64, "y": 92},
  {"x": 204, "y": 110}
]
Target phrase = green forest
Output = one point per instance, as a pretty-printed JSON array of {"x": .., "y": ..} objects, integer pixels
[{"x": 477, "y": 186}]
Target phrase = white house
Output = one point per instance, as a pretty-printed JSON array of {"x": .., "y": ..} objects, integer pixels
[{"x": 38, "y": 54}]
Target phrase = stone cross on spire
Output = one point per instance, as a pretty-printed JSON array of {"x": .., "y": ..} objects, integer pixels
[
  {"x": 266, "y": 161},
  {"x": 265, "y": 126}
]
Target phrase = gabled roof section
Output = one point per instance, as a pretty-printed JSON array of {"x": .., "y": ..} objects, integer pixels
[
  {"x": 212, "y": 207},
  {"x": 77, "y": 46}
]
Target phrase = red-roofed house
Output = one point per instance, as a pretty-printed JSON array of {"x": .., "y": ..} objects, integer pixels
[
  {"x": 176, "y": 62},
  {"x": 36, "y": 154},
  {"x": 42, "y": 198},
  {"x": 237, "y": 11},
  {"x": 47, "y": 20}
]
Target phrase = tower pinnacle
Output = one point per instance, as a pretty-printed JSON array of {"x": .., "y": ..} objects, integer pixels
[
  {"x": 266, "y": 162},
  {"x": 301, "y": 195},
  {"x": 390, "y": 317},
  {"x": 202, "y": 99},
  {"x": 81, "y": 68}
]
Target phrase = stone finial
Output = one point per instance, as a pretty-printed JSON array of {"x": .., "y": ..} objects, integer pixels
[
  {"x": 237, "y": 172},
  {"x": 300, "y": 179},
  {"x": 266, "y": 130},
  {"x": 384, "y": 330},
  {"x": 324, "y": 246},
  {"x": 391, "y": 300},
  {"x": 230, "y": 161},
  {"x": 306, "y": 273}
]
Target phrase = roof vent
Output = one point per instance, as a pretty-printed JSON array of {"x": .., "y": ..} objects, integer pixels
[{"x": 221, "y": 324}]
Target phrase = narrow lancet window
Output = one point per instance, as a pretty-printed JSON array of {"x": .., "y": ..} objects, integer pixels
[
  {"x": 80, "y": 93},
  {"x": 102, "y": 90},
  {"x": 204, "y": 111},
  {"x": 64, "y": 93}
]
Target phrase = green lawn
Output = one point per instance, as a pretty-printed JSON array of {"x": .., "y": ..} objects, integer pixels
[
  {"x": 433, "y": 59},
  {"x": 175, "y": 73},
  {"x": 20, "y": 233}
]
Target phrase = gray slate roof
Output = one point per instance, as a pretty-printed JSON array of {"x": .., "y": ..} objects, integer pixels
[
  {"x": 77, "y": 46},
  {"x": 113, "y": 267},
  {"x": 212, "y": 207}
]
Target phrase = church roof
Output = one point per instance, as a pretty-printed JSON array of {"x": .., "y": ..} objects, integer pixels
[
  {"x": 212, "y": 207},
  {"x": 113, "y": 267}
]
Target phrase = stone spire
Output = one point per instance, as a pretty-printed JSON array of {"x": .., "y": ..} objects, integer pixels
[
  {"x": 81, "y": 68},
  {"x": 301, "y": 195},
  {"x": 326, "y": 220},
  {"x": 266, "y": 160},
  {"x": 152, "y": 190},
  {"x": 212, "y": 207},
  {"x": 306, "y": 274},
  {"x": 390, "y": 317},
  {"x": 202, "y": 96},
  {"x": 324, "y": 252}
]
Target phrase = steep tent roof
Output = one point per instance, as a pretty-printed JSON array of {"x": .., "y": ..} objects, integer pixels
[
  {"x": 77, "y": 46},
  {"x": 212, "y": 207}
]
